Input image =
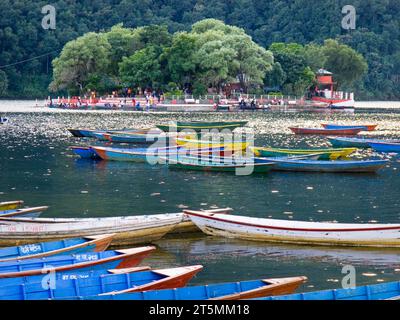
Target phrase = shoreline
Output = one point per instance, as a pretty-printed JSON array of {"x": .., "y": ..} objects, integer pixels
[{"x": 39, "y": 106}]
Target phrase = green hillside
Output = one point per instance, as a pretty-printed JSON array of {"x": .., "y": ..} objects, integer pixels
[{"x": 376, "y": 37}]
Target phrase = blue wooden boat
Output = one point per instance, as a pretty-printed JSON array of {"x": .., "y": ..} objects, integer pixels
[
  {"x": 356, "y": 142},
  {"x": 221, "y": 291},
  {"x": 381, "y": 291},
  {"x": 385, "y": 146},
  {"x": 102, "y": 284},
  {"x": 99, "y": 135},
  {"x": 88, "y": 133},
  {"x": 33, "y": 212},
  {"x": 339, "y": 142},
  {"x": 366, "y": 127},
  {"x": 54, "y": 248},
  {"x": 66, "y": 275},
  {"x": 306, "y": 165},
  {"x": 85, "y": 152},
  {"x": 83, "y": 261},
  {"x": 148, "y": 154}
]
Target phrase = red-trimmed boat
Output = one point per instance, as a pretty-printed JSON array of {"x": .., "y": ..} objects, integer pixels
[
  {"x": 102, "y": 283},
  {"x": 117, "y": 259},
  {"x": 297, "y": 232},
  {"x": 317, "y": 131},
  {"x": 214, "y": 291},
  {"x": 366, "y": 127}
]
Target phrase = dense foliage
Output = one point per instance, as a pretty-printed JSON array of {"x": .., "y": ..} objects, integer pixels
[
  {"x": 211, "y": 55},
  {"x": 377, "y": 38}
]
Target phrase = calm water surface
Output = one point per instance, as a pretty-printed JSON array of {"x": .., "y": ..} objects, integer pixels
[{"x": 37, "y": 166}]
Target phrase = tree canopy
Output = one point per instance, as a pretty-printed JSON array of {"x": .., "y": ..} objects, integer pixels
[
  {"x": 22, "y": 39},
  {"x": 212, "y": 54}
]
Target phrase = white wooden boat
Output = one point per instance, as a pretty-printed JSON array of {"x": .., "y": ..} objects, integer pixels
[
  {"x": 298, "y": 232},
  {"x": 128, "y": 230}
]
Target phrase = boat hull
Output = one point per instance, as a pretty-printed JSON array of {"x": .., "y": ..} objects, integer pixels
[
  {"x": 85, "y": 153},
  {"x": 128, "y": 230},
  {"x": 350, "y": 142},
  {"x": 10, "y": 205},
  {"x": 297, "y": 232},
  {"x": 367, "y": 127},
  {"x": 199, "y": 126},
  {"x": 84, "y": 262},
  {"x": 239, "y": 167},
  {"x": 198, "y": 144},
  {"x": 94, "y": 284},
  {"x": 223, "y": 291},
  {"x": 25, "y": 212},
  {"x": 134, "y": 138},
  {"x": 326, "y": 154},
  {"x": 368, "y": 166},
  {"x": 344, "y": 132},
  {"x": 381, "y": 291},
  {"x": 46, "y": 249},
  {"x": 385, "y": 146},
  {"x": 147, "y": 155},
  {"x": 88, "y": 133}
]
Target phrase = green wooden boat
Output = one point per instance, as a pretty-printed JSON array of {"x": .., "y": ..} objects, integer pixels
[
  {"x": 325, "y": 154},
  {"x": 241, "y": 166},
  {"x": 201, "y": 125}
]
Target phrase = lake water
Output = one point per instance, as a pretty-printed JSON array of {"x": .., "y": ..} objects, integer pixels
[{"x": 37, "y": 166}]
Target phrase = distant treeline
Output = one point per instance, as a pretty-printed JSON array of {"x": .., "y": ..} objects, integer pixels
[{"x": 287, "y": 45}]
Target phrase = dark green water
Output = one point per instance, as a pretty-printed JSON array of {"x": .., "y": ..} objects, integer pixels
[{"x": 36, "y": 165}]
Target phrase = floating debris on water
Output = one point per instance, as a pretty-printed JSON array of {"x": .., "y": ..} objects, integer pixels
[{"x": 369, "y": 274}]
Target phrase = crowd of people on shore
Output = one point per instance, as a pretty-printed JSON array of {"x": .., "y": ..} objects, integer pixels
[{"x": 254, "y": 104}]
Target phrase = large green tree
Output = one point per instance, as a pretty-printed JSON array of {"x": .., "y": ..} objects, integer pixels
[
  {"x": 81, "y": 60},
  {"x": 181, "y": 57},
  {"x": 123, "y": 43},
  {"x": 142, "y": 69},
  {"x": 346, "y": 63},
  {"x": 298, "y": 75},
  {"x": 227, "y": 53}
]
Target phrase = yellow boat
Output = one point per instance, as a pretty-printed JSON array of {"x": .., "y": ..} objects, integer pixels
[
  {"x": 10, "y": 205},
  {"x": 230, "y": 145},
  {"x": 325, "y": 154}
]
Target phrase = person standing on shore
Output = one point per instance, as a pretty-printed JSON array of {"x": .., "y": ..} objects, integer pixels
[
  {"x": 147, "y": 104},
  {"x": 151, "y": 101}
]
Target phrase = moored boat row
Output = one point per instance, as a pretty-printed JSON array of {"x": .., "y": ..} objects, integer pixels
[
  {"x": 90, "y": 274},
  {"x": 79, "y": 268}
]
